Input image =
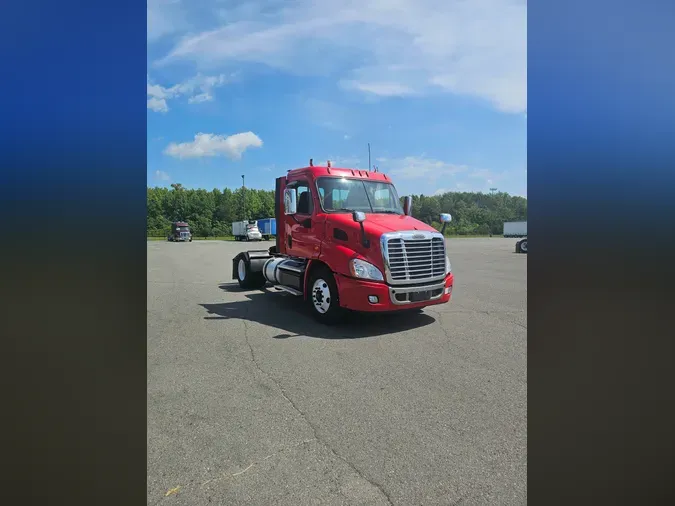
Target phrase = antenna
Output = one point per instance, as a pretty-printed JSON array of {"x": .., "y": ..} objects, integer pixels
[{"x": 369, "y": 156}]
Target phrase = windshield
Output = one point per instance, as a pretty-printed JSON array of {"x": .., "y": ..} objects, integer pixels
[{"x": 345, "y": 195}]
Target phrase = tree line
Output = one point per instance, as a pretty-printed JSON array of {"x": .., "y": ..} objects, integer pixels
[{"x": 211, "y": 213}]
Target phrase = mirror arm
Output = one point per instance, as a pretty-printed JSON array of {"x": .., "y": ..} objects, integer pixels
[
  {"x": 443, "y": 227},
  {"x": 364, "y": 240}
]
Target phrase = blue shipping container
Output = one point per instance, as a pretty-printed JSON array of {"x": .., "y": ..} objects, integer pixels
[{"x": 268, "y": 226}]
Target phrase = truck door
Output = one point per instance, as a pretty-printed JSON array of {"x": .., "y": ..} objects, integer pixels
[{"x": 303, "y": 234}]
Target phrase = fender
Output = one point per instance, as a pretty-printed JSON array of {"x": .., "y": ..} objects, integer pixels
[{"x": 307, "y": 271}]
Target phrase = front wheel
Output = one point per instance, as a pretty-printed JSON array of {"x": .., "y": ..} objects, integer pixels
[{"x": 324, "y": 297}]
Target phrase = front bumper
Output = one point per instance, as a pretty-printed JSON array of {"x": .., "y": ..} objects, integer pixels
[{"x": 357, "y": 295}]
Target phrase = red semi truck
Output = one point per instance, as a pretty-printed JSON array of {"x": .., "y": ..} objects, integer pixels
[{"x": 344, "y": 242}]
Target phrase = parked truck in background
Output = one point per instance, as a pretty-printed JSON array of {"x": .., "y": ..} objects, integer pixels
[
  {"x": 246, "y": 230},
  {"x": 180, "y": 232},
  {"x": 517, "y": 229},
  {"x": 345, "y": 242},
  {"x": 267, "y": 227}
]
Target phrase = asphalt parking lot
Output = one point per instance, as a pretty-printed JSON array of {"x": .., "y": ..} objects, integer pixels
[{"x": 252, "y": 402}]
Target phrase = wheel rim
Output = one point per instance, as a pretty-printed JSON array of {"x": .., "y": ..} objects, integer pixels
[
  {"x": 523, "y": 245},
  {"x": 321, "y": 297},
  {"x": 242, "y": 269}
]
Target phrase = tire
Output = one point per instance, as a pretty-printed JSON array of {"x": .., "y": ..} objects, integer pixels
[
  {"x": 249, "y": 280},
  {"x": 323, "y": 297},
  {"x": 523, "y": 246}
]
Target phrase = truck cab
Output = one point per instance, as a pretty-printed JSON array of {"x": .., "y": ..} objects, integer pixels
[
  {"x": 246, "y": 230},
  {"x": 180, "y": 232},
  {"x": 345, "y": 242}
]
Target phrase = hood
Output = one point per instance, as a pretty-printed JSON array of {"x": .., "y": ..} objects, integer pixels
[
  {"x": 378, "y": 224},
  {"x": 374, "y": 226}
]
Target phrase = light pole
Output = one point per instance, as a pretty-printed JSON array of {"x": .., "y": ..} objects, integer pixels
[{"x": 243, "y": 192}]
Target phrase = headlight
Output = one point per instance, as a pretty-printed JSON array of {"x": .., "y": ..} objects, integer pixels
[
  {"x": 448, "y": 267},
  {"x": 364, "y": 270}
]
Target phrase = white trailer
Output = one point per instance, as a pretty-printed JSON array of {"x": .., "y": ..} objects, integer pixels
[
  {"x": 515, "y": 229},
  {"x": 246, "y": 230}
]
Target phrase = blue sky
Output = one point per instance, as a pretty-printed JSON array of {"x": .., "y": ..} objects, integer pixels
[{"x": 438, "y": 88}]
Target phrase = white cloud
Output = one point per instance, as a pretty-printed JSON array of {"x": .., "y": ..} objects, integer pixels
[
  {"x": 419, "y": 167},
  {"x": 198, "y": 88},
  {"x": 157, "y": 104},
  {"x": 488, "y": 176},
  {"x": 347, "y": 137},
  {"x": 164, "y": 17},
  {"x": 210, "y": 145},
  {"x": 421, "y": 174},
  {"x": 162, "y": 176},
  {"x": 379, "y": 88},
  {"x": 388, "y": 48}
]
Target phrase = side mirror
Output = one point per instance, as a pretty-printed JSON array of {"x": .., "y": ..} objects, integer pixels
[
  {"x": 358, "y": 216},
  {"x": 407, "y": 205},
  {"x": 290, "y": 201},
  {"x": 445, "y": 219}
]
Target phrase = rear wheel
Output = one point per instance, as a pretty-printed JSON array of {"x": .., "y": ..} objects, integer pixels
[
  {"x": 323, "y": 297},
  {"x": 523, "y": 246},
  {"x": 249, "y": 280}
]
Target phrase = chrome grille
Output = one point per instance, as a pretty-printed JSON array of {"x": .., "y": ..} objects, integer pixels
[{"x": 414, "y": 257}]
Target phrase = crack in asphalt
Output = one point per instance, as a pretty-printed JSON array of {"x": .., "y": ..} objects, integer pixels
[{"x": 304, "y": 417}]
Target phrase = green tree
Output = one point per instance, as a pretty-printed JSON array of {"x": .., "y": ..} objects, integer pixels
[{"x": 212, "y": 212}]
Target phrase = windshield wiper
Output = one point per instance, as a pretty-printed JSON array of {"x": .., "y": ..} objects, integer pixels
[{"x": 387, "y": 211}]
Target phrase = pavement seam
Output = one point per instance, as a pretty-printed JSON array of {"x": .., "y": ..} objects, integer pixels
[{"x": 304, "y": 417}]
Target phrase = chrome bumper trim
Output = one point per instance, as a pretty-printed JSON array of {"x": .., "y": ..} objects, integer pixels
[{"x": 393, "y": 291}]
